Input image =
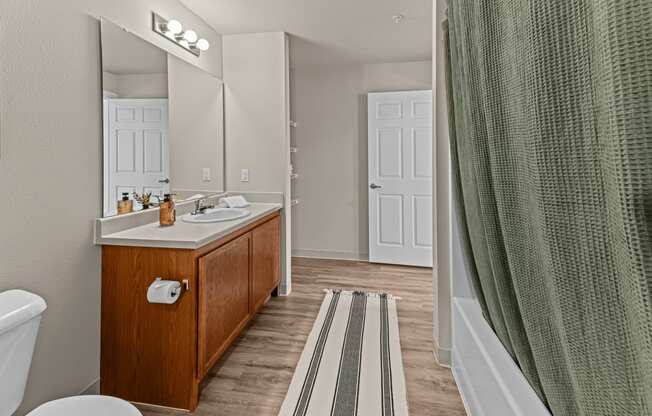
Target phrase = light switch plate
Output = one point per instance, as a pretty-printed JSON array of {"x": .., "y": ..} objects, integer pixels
[
  {"x": 244, "y": 175},
  {"x": 206, "y": 174}
]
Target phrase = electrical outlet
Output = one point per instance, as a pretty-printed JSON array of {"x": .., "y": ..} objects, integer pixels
[
  {"x": 206, "y": 174},
  {"x": 244, "y": 175}
]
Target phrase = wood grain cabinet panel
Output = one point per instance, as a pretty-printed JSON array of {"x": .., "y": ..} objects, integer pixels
[
  {"x": 223, "y": 299},
  {"x": 158, "y": 354},
  {"x": 266, "y": 261},
  {"x": 146, "y": 349}
]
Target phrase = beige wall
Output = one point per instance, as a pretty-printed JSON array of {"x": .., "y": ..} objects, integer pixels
[
  {"x": 442, "y": 335},
  {"x": 110, "y": 82},
  {"x": 196, "y": 127},
  {"x": 330, "y": 107},
  {"x": 254, "y": 78},
  {"x": 136, "y": 85},
  {"x": 256, "y": 119},
  {"x": 50, "y": 172}
]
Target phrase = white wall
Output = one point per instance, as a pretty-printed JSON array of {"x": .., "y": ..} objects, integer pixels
[
  {"x": 50, "y": 172},
  {"x": 330, "y": 107},
  {"x": 196, "y": 127}
]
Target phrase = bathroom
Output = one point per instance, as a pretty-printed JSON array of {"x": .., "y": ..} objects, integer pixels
[{"x": 282, "y": 217}]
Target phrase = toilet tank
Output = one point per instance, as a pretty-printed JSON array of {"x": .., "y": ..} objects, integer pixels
[{"x": 20, "y": 316}]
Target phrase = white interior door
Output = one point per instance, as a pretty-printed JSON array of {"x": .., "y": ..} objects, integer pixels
[
  {"x": 400, "y": 178},
  {"x": 136, "y": 137}
]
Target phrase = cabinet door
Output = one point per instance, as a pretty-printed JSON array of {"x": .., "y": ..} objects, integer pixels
[
  {"x": 266, "y": 259},
  {"x": 223, "y": 299}
]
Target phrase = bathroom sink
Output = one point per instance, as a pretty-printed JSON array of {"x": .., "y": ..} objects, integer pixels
[{"x": 216, "y": 215}]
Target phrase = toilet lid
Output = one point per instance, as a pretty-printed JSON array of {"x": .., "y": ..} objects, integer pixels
[{"x": 85, "y": 406}]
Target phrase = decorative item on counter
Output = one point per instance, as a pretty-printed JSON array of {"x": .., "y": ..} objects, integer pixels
[
  {"x": 167, "y": 211},
  {"x": 125, "y": 205},
  {"x": 144, "y": 199}
]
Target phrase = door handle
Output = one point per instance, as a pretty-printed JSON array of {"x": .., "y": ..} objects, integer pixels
[
  {"x": 166, "y": 180},
  {"x": 374, "y": 186}
]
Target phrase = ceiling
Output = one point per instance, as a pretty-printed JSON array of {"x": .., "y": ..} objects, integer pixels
[
  {"x": 327, "y": 32},
  {"x": 126, "y": 53}
]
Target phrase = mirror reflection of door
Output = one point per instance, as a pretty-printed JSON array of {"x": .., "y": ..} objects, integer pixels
[{"x": 138, "y": 148}]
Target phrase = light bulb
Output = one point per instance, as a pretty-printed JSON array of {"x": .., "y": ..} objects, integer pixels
[
  {"x": 203, "y": 45},
  {"x": 184, "y": 43},
  {"x": 190, "y": 36},
  {"x": 174, "y": 26}
]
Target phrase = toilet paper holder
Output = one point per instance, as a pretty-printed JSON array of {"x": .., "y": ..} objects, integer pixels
[{"x": 184, "y": 286}]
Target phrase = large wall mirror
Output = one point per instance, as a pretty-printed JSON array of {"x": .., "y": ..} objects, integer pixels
[{"x": 163, "y": 123}]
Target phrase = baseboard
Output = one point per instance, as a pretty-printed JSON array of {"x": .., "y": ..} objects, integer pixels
[
  {"x": 443, "y": 356},
  {"x": 91, "y": 389},
  {"x": 330, "y": 255},
  {"x": 283, "y": 289},
  {"x": 159, "y": 409}
]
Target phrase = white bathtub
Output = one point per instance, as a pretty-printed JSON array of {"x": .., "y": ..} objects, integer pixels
[{"x": 489, "y": 381}]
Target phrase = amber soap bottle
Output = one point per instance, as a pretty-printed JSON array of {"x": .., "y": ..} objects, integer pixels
[
  {"x": 167, "y": 211},
  {"x": 125, "y": 205}
]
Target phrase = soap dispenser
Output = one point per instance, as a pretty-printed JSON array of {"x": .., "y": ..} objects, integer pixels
[
  {"x": 167, "y": 211},
  {"x": 125, "y": 205}
]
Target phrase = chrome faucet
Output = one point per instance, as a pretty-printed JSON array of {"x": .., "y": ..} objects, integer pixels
[{"x": 200, "y": 208}]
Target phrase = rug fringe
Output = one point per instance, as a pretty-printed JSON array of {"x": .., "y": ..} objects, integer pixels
[{"x": 369, "y": 294}]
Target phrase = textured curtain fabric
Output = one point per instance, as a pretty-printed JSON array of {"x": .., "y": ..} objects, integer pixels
[{"x": 551, "y": 135}]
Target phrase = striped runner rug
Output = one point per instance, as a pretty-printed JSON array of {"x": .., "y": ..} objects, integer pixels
[{"x": 352, "y": 363}]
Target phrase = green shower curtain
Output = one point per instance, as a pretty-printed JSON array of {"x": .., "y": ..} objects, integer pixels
[{"x": 550, "y": 107}]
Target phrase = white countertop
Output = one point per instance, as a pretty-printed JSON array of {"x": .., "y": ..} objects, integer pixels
[{"x": 184, "y": 235}]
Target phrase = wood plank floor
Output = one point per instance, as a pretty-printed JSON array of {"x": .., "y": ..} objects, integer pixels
[{"x": 253, "y": 377}]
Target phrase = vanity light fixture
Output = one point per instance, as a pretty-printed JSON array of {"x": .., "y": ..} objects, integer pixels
[
  {"x": 173, "y": 30},
  {"x": 190, "y": 36},
  {"x": 203, "y": 45},
  {"x": 173, "y": 27}
]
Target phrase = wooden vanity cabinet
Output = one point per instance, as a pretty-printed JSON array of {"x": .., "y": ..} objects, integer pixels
[{"x": 157, "y": 354}]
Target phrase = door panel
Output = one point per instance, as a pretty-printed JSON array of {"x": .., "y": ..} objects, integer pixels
[
  {"x": 153, "y": 152},
  {"x": 223, "y": 299},
  {"x": 422, "y": 224},
  {"x": 389, "y": 142},
  {"x": 125, "y": 160},
  {"x": 389, "y": 110},
  {"x": 152, "y": 114},
  {"x": 390, "y": 217},
  {"x": 422, "y": 153},
  {"x": 266, "y": 270},
  {"x": 400, "y": 178},
  {"x": 422, "y": 108}
]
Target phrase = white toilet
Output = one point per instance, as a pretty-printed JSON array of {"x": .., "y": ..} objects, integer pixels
[{"x": 20, "y": 316}]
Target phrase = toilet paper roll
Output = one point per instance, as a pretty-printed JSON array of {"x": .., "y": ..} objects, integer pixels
[{"x": 163, "y": 291}]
